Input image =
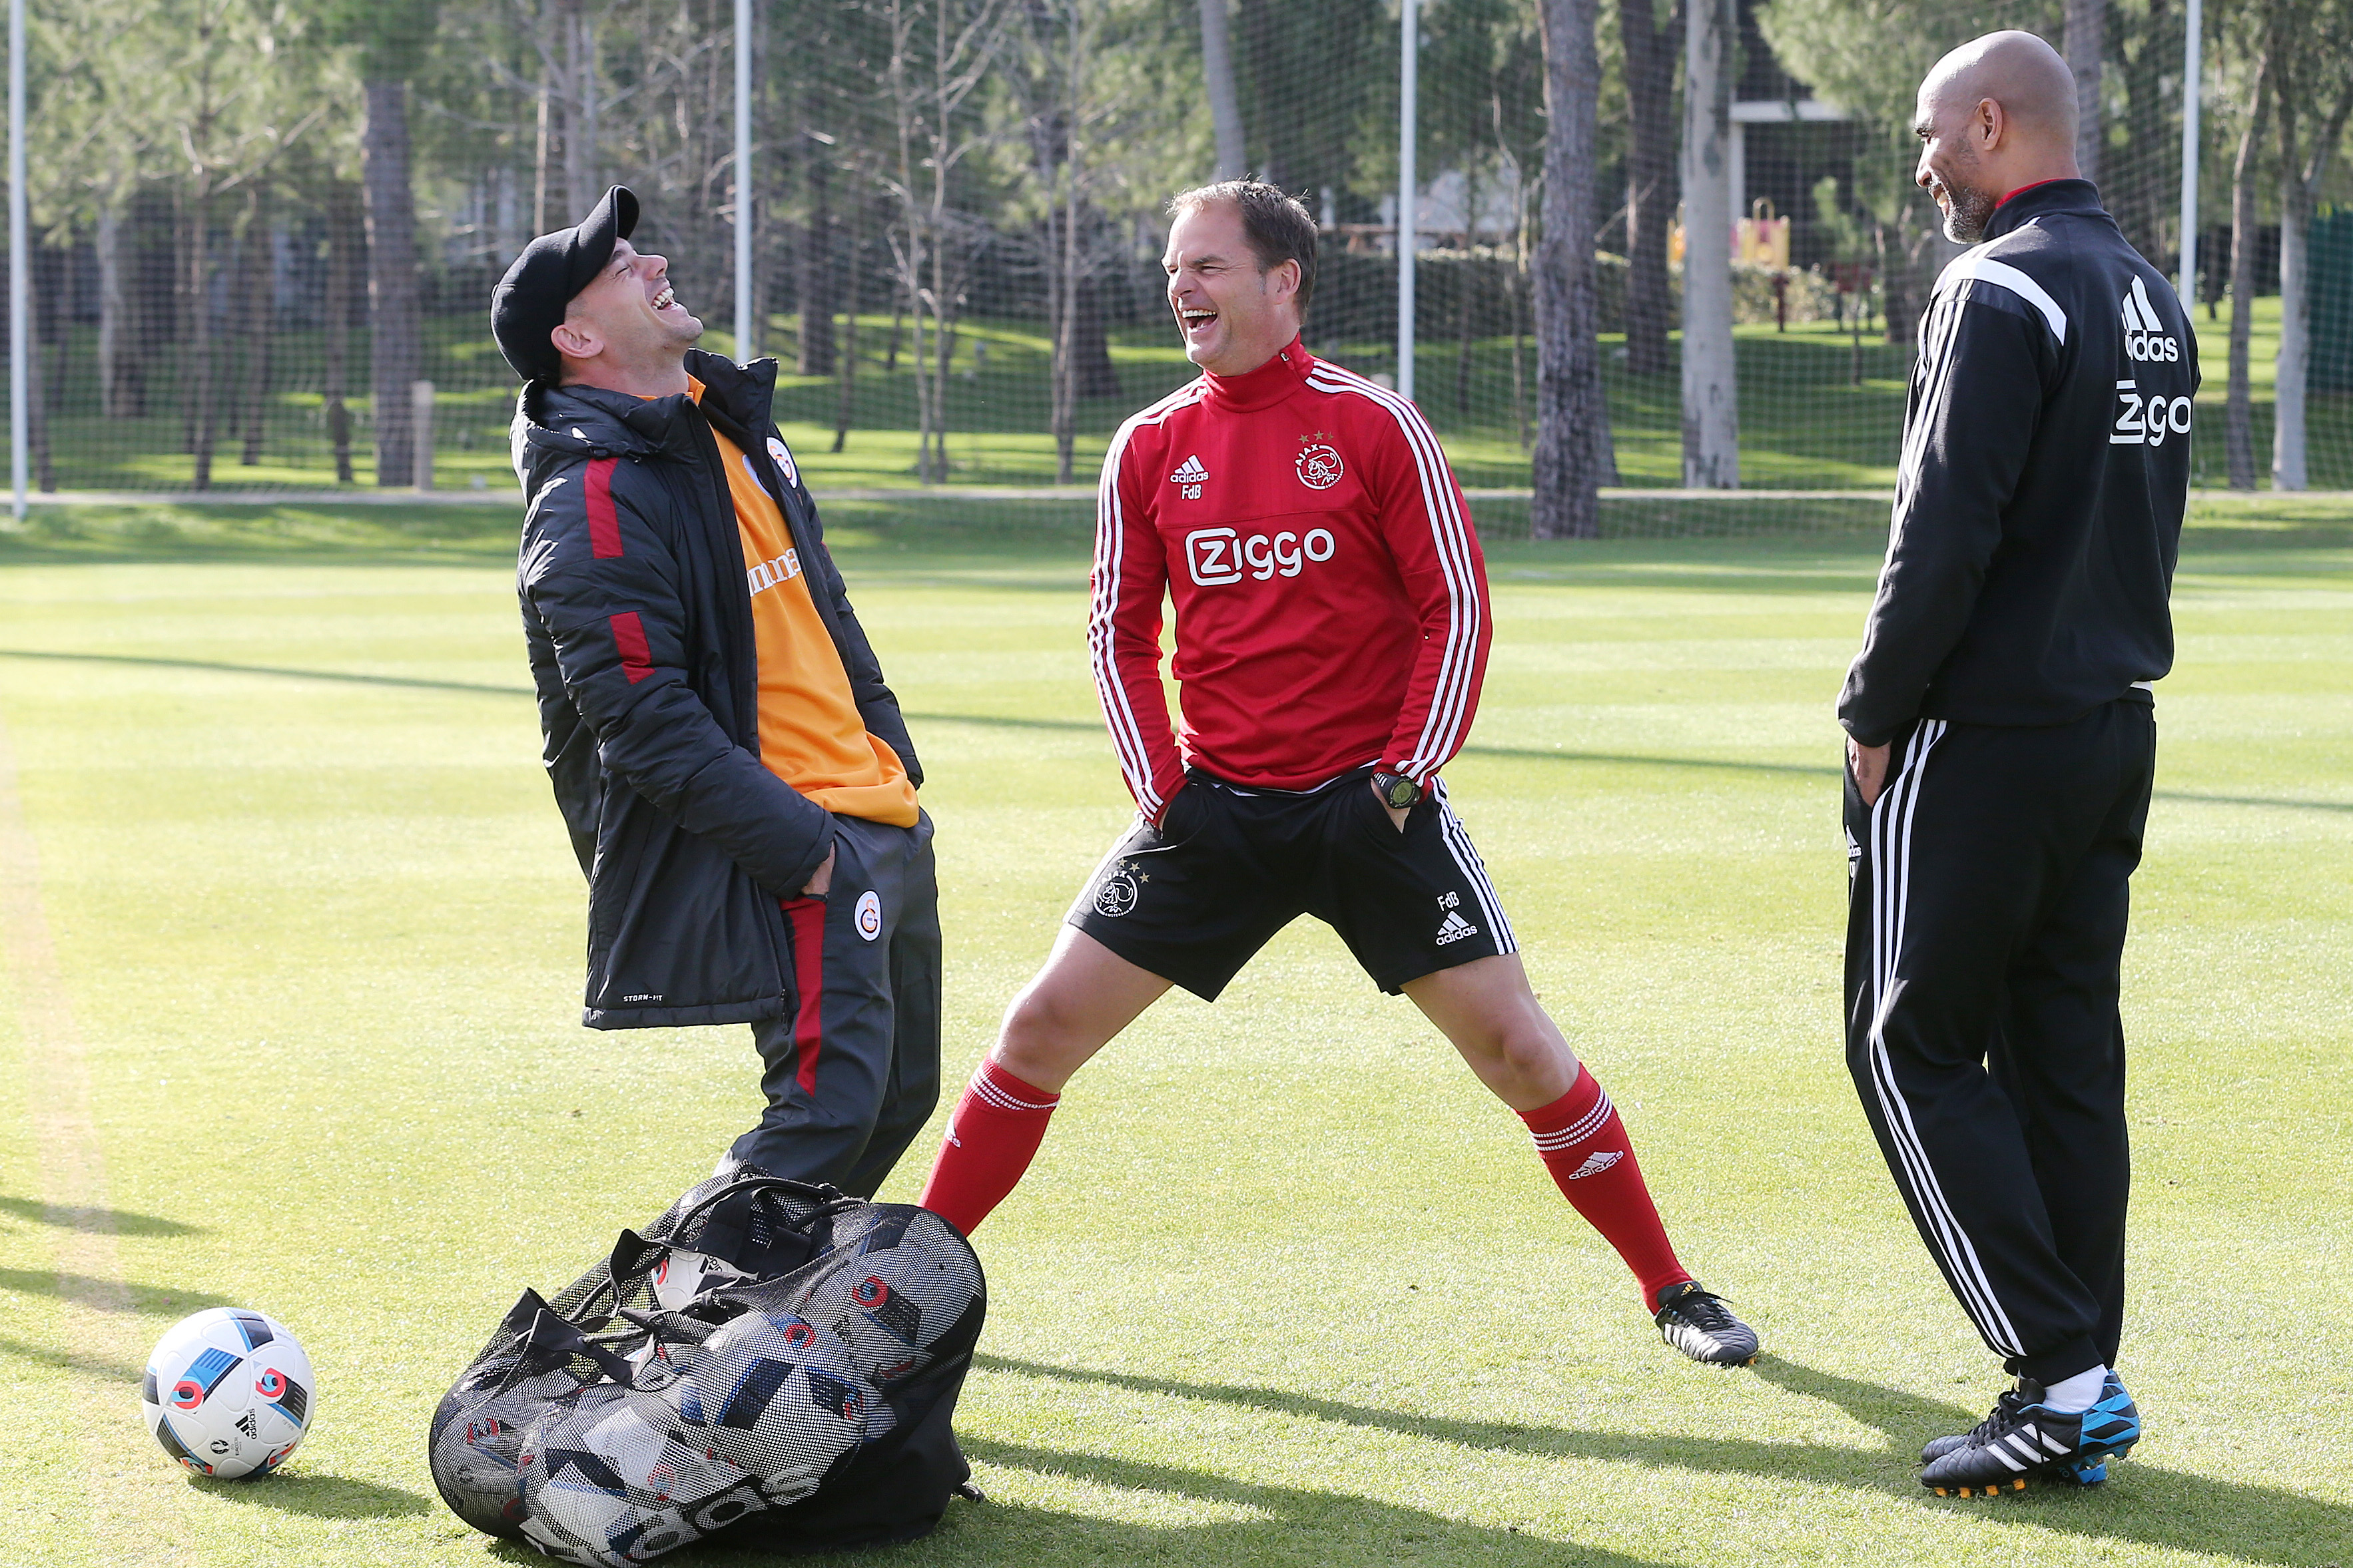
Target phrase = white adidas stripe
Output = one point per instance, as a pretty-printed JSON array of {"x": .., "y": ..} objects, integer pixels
[
  {"x": 1976, "y": 266},
  {"x": 1584, "y": 1127},
  {"x": 1891, "y": 835},
  {"x": 1457, "y": 839},
  {"x": 1111, "y": 540},
  {"x": 984, "y": 1091},
  {"x": 1442, "y": 729}
]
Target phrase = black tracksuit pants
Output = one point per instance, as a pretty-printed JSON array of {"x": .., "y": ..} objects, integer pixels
[
  {"x": 851, "y": 1069},
  {"x": 1985, "y": 926}
]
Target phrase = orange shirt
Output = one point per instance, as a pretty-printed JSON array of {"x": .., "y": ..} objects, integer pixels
[{"x": 811, "y": 735}]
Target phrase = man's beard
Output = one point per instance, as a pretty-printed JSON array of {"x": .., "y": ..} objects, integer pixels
[{"x": 1969, "y": 210}]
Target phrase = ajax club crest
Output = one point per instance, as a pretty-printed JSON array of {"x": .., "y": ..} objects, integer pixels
[
  {"x": 1319, "y": 467},
  {"x": 1115, "y": 895}
]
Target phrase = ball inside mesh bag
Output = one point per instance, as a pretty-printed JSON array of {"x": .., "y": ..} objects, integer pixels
[
  {"x": 680, "y": 1276},
  {"x": 894, "y": 1295},
  {"x": 616, "y": 1478},
  {"x": 777, "y": 1397}
]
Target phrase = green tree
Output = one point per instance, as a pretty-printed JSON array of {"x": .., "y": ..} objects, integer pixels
[{"x": 390, "y": 39}]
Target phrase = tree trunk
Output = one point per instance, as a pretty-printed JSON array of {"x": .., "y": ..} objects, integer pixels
[
  {"x": 846, "y": 361},
  {"x": 2300, "y": 186},
  {"x": 344, "y": 223},
  {"x": 114, "y": 400},
  {"x": 541, "y": 149},
  {"x": 1572, "y": 415},
  {"x": 1466, "y": 301},
  {"x": 2288, "y": 363},
  {"x": 2238, "y": 409},
  {"x": 41, "y": 388},
  {"x": 257, "y": 298},
  {"x": 1710, "y": 393},
  {"x": 581, "y": 112},
  {"x": 2087, "y": 46},
  {"x": 1097, "y": 376},
  {"x": 1225, "y": 104},
  {"x": 397, "y": 347},
  {"x": 818, "y": 269},
  {"x": 200, "y": 338},
  {"x": 1651, "y": 186}
]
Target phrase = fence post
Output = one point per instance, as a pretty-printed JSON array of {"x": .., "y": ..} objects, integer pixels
[
  {"x": 2193, "y": 63},
  {"x": 1408, "y": 220},
  {"x": 20, "y": 297},
  {"x": 420, "y": 421},
  {"x": 746, "y": 328}
]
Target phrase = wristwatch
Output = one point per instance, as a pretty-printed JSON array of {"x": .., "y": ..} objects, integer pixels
[{"x": 1396, "y": 791}]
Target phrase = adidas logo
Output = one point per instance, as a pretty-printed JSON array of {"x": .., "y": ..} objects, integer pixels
[
  {"x": 1454, "y": 927},
  {"x": 2145, "y": 339},
  {"x": 1598, "y": 1162},
  {"x": 1191, "y": 476}
]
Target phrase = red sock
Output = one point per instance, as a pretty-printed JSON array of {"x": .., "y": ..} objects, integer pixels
[
  {"x": 991, "y": 1138},
  {"x": 1584, "y": 1147}
]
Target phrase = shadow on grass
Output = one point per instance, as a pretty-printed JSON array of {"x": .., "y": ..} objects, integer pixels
[
  {"x": 2144, "y": 1505},
  {"x": 66, "y": 1358},
  {"x": 88, "y": 1288},
  {"x": 415, "y": 682},
  {"x": 114, "y": 1222},
  {"x": 1279, "y": 1525},
  {"x": 316, "y": 1496},
  {"x": 1085, "y": 726}
]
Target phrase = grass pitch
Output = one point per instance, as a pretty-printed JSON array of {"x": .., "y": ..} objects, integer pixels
[{"x": 293, "y": 961}]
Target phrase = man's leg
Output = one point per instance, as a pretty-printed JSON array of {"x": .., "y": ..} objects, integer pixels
[
  {"x": 1487, "y": 1009},
  {"x": 1417, "y": 908},
  {"x": 827, "y": 1062},
  {"x": 2061, "y": 1057},
  {"x": 1953, "y": 862},
  {"x": 1084, "y": 996},
  {"x": 1186, "y": 903},
  {"x": 912, "y": 1088}
]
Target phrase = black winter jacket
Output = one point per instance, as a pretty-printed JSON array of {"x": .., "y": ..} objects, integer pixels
[
  {"x": 638, "y": 613},
  {"x": 2045, "y": 468}
]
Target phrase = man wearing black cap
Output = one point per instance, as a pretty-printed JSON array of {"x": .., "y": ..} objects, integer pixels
[{"x": 738, "y": 781}]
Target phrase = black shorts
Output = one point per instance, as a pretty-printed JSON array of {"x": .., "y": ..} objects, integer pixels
[{"x": 1194, "y": 899}]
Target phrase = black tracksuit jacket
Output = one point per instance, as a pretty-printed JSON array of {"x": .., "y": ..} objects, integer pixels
[
  {"x": 637, "y": 614},
  {"x": 2045, "y": 468}
]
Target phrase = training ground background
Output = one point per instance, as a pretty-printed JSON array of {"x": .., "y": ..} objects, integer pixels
[{"x": 292, "y": 977}]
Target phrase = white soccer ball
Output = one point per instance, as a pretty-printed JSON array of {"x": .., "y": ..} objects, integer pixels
[
  {"x": 778, "y": 1398},
  {"x": 229, "y": 1392}
]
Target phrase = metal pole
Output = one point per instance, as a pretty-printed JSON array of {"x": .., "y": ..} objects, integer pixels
[
  {"x": 745, "y": 347},
  {"x": 1407, "y": 224},
  {"x": 20, "y": 297},
  {"x": 2193, "y": 63}
]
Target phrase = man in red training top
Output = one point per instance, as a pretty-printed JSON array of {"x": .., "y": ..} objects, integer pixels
[{"x": 1331, "y": 629}]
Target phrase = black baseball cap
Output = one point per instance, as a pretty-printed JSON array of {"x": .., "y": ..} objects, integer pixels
[{"x": 530, "y": 301}]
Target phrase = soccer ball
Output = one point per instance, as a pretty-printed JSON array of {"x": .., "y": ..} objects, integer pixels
[
  {"x": 778, "y": 1398},
  {"x": 229, "y": 1392}
]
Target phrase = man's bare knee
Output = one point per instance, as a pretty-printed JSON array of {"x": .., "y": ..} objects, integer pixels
[{"x": 1042, "y": 1017}]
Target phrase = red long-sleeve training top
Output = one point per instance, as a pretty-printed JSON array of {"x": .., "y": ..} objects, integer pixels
[{"x": 1330, "y": 599}]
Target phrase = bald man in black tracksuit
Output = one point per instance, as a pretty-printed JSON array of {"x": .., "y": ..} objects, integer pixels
[{"x": 2020, "y": 619}]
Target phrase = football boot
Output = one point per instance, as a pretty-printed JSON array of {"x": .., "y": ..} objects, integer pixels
[
  {"x": 2027, "y": 1440},
  {"x": 2028, "y": 1391},
  {"x": 1696, "y": 1321}
]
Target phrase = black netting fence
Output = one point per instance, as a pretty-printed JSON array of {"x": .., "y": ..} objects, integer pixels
[{"x": 263, "y": 236}]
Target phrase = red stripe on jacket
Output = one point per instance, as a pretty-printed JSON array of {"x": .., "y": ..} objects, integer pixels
[
  {"x": 808, "y": 918},
  {"x": 604, "y": 523},
  {"x": 629, "y": 640}
]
